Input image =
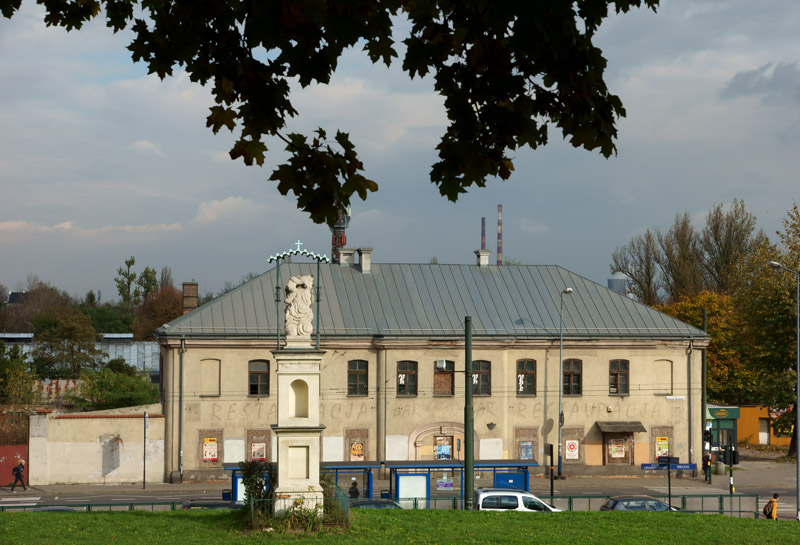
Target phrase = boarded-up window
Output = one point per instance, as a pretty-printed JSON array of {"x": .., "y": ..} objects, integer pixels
[
  {"x": 443, "y": 378},
  {"x": 209, "y": 377}
]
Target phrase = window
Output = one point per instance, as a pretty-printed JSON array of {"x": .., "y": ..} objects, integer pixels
[
  {"x": 443, "y": 378},
  {"x": 406, "y": 378},
  {"x": 259, "y": 377},
  {"x": 357, "y": 378},
  {"x": 526, "y": 377},
  {"x": 481, "y": 378},
  {"x": 572, "y": 377},
  {"x": 618, "y": 377}
]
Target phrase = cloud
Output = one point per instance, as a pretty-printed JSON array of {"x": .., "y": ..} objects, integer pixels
[
  {"x": 23, "y": 227},
  {"x": 237, "y": 209},
  {"x": 146, "y": 147},
  {"x": 774, "y": 83}
]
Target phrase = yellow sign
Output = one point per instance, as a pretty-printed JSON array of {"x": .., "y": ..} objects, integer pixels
[
  {"x": 661, "y": 439},
  {"x": 721, "y": 413}
]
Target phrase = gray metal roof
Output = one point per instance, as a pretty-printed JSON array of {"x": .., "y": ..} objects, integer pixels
[{"x": 431, "y": 300}]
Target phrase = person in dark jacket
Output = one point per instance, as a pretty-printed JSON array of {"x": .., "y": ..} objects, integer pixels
[
  {"x": 18, "y": 473},
  {"x": 354, "y": 491}
]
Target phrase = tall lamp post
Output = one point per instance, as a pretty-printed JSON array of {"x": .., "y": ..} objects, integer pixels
[
  {"x": 776, "y": 265},
  {"x": 565, "y": 291}
]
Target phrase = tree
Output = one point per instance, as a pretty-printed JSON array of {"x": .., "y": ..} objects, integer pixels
[
  {"x": 18, "y": 383},
  {"x": 681, "y": 259},
  {"x": 767, "y": 298},
  {"x": 731, "y": 377},
  {"x": 638, "y": 260},
  {"x": 126, "y": 283},
  {"x": 91, "y": 299},
  {"x": 104, "y": 389},
  {"x": 147, "y": 282},
  {"x": 3, "y": 294},
  {"x": 65, "y": 347},
  {"x": 110, "y": 318},
  {"x": 166, "y": 277},
  {"x": 506, "y": 70},
  {"x": 157, "y": 309},
  {"x": 727, "y": 237},
  {"x": 39, "y": 300}
]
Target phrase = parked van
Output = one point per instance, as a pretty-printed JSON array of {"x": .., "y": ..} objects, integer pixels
[{"x": 510, "y": 499}]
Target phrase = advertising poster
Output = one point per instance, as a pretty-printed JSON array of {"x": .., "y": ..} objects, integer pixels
[
  {"x": 572, "y": 449},
  {"x": 210, "y": 449},
  {"x": 357, "y": 451},
  {"x": 526, "y": 450},
  {"x": 616, "y": 448},
  {"x": 258, "y": 452},
  {"x": 662, "y": 446},
  {"x": 444, "y": 448}
]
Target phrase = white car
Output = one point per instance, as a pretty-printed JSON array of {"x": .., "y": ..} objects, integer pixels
[{"x": 510, "y": 499}]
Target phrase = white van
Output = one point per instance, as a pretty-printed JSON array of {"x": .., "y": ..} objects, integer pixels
[{"x": 510, "y": 499}]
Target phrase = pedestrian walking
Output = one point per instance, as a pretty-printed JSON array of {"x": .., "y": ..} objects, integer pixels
[
  {"x": 771, "y": 509},
  {"x": 707, "y": 467},
  {"x": 18, "y": 475},
  {"x": 354, "y": 491}
]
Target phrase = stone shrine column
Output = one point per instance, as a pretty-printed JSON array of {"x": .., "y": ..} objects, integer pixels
[{"x": 298, "y": 430}]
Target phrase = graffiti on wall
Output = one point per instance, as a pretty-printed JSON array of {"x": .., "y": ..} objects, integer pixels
[{"x": 577, "y": 410}]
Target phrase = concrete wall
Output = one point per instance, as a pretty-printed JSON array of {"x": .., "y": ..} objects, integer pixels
[
  {"x": 97, "y": 447},
  {"x": 664, "y": 395}
]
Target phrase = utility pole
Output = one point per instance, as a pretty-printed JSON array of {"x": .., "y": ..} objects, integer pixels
[{"x": 469, "y": 447}]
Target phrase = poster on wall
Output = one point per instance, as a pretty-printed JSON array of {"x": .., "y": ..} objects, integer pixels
[
  {"x": 662, "y": 446},
  {"x": 258, "y": 452},
  {"x": 444, "y": 448},
  {"x": 616, "y": 447},
  {"x": 526, "y": 450},
  {"x": 210, "y": 449},
  {"x": 571, "y": 446},
  {"x": 357, "y": 451}
]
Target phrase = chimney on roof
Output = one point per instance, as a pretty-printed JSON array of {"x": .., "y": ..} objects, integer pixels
[
  {"x": 190, "y": 297},
  {"x": 499, "y": 234},
  {"x": 483, "y": 257},
  {"x": 365, "y": 259},
  {"x": 346, "y": 256}
]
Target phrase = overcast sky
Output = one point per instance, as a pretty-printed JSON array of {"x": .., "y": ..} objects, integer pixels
[{"x": 100, "y": 162}]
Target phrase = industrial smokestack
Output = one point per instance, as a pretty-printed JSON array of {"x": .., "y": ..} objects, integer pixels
[
  {"x": 499, "y": 234},
  {"x": 338, "y": 234},
  {"x": 483, "y": 233}
]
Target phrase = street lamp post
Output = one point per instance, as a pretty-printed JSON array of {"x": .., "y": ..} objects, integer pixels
[
  {"x": 776, "y": 265},
  {"x": 565, "y": 291}
]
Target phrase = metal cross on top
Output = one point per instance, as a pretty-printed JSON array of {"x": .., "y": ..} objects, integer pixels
[{"x": 277, "y": 258}]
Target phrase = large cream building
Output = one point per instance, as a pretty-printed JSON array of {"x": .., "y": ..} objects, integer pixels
[{"x": 392, "y": 373}]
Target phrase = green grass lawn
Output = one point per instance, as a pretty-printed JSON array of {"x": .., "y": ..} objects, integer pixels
[{"x": 397, "y": 527}]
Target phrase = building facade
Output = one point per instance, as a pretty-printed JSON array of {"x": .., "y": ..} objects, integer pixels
[{"x": 393, "y": 375}]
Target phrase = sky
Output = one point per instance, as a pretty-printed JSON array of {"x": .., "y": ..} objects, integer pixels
[{"x": 100, "y": 161}]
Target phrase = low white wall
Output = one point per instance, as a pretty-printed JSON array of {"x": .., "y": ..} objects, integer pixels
[{"x": 97, "y": 448}]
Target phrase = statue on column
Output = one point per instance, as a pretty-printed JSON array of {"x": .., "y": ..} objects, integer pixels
[{"x": 299, "y": 296}]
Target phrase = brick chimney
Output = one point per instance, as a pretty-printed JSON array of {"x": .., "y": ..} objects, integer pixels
[
  {"x": 190, "y": 296},
  {"x": 365, "y": 259}
]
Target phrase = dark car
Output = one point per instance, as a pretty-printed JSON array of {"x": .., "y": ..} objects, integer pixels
[
  {"x": 635, "y": 503},
  {"x": 210, "y": 504},
  {"x": 375, "y": 504}
]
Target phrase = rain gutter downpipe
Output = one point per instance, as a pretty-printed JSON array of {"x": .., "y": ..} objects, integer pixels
[
  {"x": 180, "y": 412},
  {"x": 689, "y": 400}
]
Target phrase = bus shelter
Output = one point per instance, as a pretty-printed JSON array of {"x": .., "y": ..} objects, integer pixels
[
  {"x": 346, "y": 473},
  {"x": 414, "y": 480}
]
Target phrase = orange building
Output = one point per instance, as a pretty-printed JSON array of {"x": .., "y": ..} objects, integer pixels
[{"x": 754, "y": 427}]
